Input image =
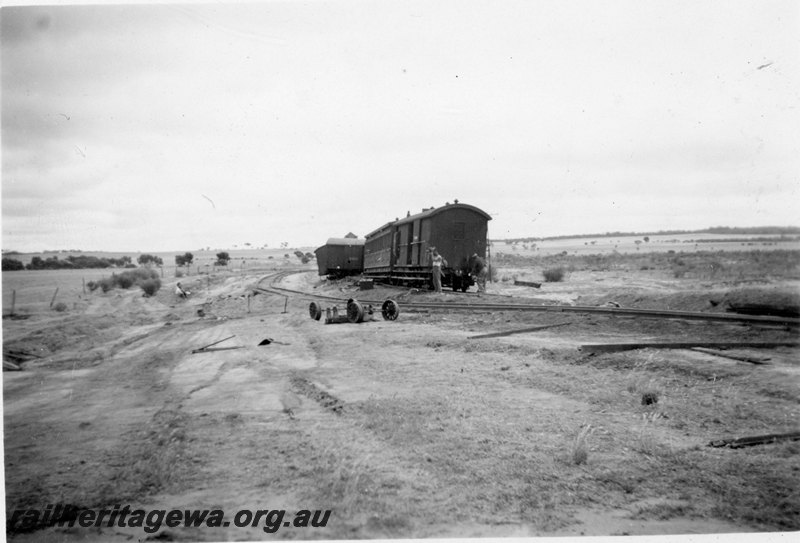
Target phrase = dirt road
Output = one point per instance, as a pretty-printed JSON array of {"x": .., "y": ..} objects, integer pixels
[{"x": 402, "y": 429}]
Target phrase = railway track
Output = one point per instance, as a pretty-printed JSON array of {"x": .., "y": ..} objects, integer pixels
[{"x": 273, "y": 288}]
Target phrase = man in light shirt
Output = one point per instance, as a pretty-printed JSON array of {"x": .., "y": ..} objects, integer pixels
[{"x": 437, "y": 263}]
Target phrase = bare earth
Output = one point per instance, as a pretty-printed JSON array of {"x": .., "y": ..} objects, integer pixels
[{"x": 404, "y": 429}]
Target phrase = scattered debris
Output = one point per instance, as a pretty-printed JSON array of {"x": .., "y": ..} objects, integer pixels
[
  {"x": 310, "y": 390},
  {"x": 208, "y": 348},
  {"x": 365, "y": 284},
  {"x": 290, "y": 401},
  {"x": 649, "y": 398},
  {"x": 13, "y": 358},
  {"x": 739, "y": 442},
  {"x": 269, "y": 341}
]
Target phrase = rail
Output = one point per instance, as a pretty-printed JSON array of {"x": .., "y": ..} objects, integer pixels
[{"x": 471, "y": 306}]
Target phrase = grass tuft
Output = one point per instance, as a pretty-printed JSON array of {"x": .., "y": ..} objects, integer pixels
[{"x": 580, "y": 449}]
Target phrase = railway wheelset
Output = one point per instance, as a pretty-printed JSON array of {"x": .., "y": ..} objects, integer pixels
[{"x": 354, "y": 312}]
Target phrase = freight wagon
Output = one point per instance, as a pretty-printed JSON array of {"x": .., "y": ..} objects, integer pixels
[
  {"x": 399, "y": 252},
  {"x": 340, "y": 257}
]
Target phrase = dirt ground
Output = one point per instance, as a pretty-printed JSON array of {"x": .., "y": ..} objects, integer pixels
[{"x": 406, "y": 428}]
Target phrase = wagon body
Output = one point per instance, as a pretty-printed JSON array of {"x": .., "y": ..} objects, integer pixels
[
  {"x": 399, "y": 251},
  {"x": 340, "y": 257}
]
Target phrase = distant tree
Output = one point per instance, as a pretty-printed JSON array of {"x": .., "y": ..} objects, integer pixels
[
  {"x": 646, "y": 239},
  {"x": 10, "y": 264},
  {"x": 184, "y": 259},
  {"x": 146, "y": 260},
  {"x": 36, "y": 263},
  {"x": 222, "y": 259}
]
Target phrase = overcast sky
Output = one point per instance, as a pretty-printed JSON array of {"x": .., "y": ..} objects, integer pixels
[{"x": 174, "y": 127}]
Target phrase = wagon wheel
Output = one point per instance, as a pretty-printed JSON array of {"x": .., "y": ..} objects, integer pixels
[
  {"x": 315, "y": 311},
  {"x": 355, "y": 311},
  {"x": 390, "y": 310}
]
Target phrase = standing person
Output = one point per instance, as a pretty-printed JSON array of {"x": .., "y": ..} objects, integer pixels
[
  {"x": 437, "y": 263},
  {"x": 479, "y": 271}
]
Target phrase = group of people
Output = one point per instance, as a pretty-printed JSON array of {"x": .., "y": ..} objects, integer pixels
[{"x": 478, "y": 270}]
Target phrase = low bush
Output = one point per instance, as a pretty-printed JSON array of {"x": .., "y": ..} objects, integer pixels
[
  {"x": 60, "y": 307},
  {"x": 150, "y": 286},
  {"x": 145, "y": 278},
  {"x": 554, "y": 275},
  {"x": 124, "y": 280}
]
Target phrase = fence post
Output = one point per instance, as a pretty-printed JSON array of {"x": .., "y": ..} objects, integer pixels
[
  {"x": 54, "y": 298},
  {"x": 13, "y": 301}
]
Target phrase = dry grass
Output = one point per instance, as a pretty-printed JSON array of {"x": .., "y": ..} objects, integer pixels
[{"x": 580, "y": 448}]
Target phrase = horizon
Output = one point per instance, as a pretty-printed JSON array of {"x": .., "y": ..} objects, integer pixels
[
  {"x": 756, "y": 231},
  {"x": 215, "y": 124}
]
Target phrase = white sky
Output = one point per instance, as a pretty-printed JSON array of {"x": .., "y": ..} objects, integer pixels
[{"x": 305, "y": 120}]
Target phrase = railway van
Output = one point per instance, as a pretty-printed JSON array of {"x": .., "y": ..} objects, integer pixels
[
  {"x": 340, "y": 257},
  {"x": 399, "y": 252}
]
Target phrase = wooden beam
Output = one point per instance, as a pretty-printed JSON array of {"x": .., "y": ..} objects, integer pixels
[
  {"x": 527, "y": 284},
  {"x": 206, "y": 347},
  {"x": 731, "y": 356},
  {"x": 614, "y": 347},
  {"x": 739, "y": 442},
  {"x": 519, "y": 331}
]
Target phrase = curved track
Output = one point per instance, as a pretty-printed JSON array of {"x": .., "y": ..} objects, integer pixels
[{"x": 274, "y": 279}]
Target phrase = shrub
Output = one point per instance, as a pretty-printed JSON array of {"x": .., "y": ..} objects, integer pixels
[
  {"x": 127, "y": 279},
  {"x": 150, "y": 286},
  {"x": 60, "y": 307},
  {"x": 553, "y": 275},
  {"x": 124, "y": 280}
]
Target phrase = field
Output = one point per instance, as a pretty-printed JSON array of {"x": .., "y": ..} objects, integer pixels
[{"x": 412, "y": 428}]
